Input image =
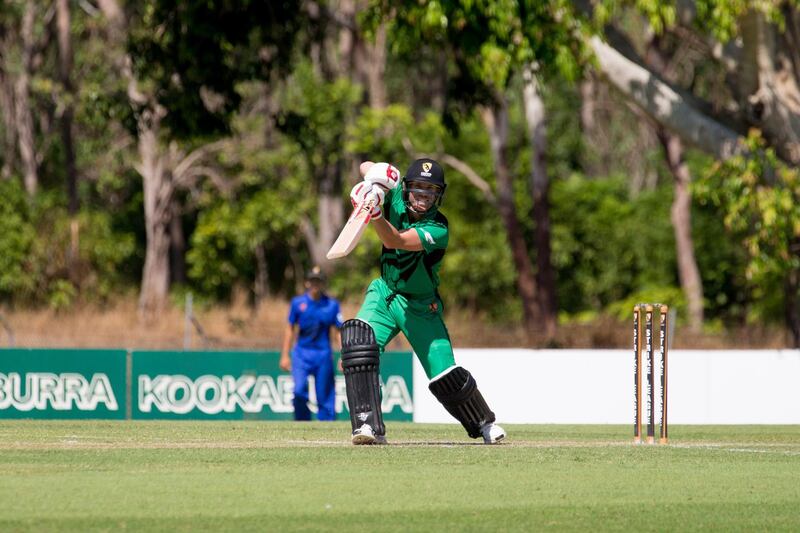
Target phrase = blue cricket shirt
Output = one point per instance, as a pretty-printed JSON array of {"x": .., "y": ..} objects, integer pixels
[{"x": 315, "y": 317}]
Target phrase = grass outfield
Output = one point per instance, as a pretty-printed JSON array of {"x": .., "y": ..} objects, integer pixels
[{"x": 259, "y": 476}]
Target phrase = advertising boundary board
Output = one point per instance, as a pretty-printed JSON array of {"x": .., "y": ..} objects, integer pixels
[
  {"x": 62, "y": 383},
  {"x": 521, "y": 386},
  {"x": 200, "y": 385},
  {"x": 597, "y": 386},
  {"x": 244, "y": 385}
]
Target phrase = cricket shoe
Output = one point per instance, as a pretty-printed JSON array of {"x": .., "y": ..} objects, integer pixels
[
  {"x": 365, "y": 435},
  {"x": 492, "y": 433}
]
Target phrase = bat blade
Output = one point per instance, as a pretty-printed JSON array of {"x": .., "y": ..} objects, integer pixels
[{"x": 355, "y": 226}]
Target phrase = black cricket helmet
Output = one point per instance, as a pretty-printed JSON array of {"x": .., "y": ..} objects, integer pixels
[
  {"x": 426, "y": 171},
  {"x": 315, "y": 273}
]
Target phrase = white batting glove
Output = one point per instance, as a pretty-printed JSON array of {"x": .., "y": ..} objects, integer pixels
[
  {"x": 383, "y": 174},
  {"x": 362, "y": 189},
  {"x": 364, "y": 167},
  {"x": 360, "y": 192}
]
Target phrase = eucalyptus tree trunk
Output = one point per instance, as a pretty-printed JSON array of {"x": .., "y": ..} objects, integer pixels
[
  {"x": 7, "y": 104},
  {"x": 23, "y": 112},
  {"x": 681, "y": 217},
  {"x": 681, "y": 210},
  {"x": 496, "y": 120},
  {"x": 164, "y": 170},
  {"x": 343, "y": 53},
  {"x": 157, "y": 186},
  {"x": 664, "y": 104},
  {"x": 768, "y": 82},
  {"x": 373, "y": 66},
  {"x": 589, "y": 131},
  {"x": 329, "y": 210},
  {"x": 540, "y": 189},
  {"x": 65, "y": 61},
  {"x": 762, "y": 73}
]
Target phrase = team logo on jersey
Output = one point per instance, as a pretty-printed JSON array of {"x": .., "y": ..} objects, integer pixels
[
  {"x": 426, "y": 166},
  {"x": 303, "y": 307},
  {"x": 428, "y": 237}
]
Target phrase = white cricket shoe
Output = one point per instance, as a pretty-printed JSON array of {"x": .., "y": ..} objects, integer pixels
[
  {"x": 492, "y": 433},
  {"x": 364, "y": 435}
]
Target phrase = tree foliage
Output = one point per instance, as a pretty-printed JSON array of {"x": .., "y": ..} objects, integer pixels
[
  {"x": 194, "y": 54},
  {"x": 255, "y": 77},
  {"x": 489, "y": 42},
  {"x": 17, "y": 235},
  {"x": 759, "y": 198}
]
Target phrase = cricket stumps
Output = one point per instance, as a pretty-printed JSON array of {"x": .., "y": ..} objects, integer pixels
[{"x": 646, "y": 322}]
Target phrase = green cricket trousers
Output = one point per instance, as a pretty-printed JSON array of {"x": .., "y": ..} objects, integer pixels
[{"x": 420, "y": 320}]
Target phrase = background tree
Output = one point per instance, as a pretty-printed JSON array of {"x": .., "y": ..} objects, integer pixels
[
  {"x": 487, "y": 45},
  {"x": 181, "y": 63},
  {"x": 755, "y": 98},
  {"x": 66, "y": 106},
  {"x": 213, "y": 146},
  {"x": 760, "y": 200}
]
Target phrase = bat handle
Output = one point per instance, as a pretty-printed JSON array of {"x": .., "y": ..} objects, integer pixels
[
  {"x": 370, "y": 201},
  {"x": 372, "y": 198}
]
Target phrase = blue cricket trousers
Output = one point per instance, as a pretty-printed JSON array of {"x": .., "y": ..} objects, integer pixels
[{"x": 317, "y": 363}]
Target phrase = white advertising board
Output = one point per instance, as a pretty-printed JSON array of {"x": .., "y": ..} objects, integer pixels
[{"x": 596, "y": 386}]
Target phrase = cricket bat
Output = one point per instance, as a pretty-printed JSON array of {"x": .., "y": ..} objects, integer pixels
[{"x": 352, "y": 230}]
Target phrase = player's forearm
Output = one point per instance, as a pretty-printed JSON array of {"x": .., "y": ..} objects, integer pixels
[
  {"x": 391, "y": 238},
  {"x": 337, "y": 338},
  {"x": 288, "y": 336},
  {"x": 387, "y": 233}
]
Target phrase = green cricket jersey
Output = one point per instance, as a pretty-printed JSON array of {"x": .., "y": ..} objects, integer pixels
[
  {"x": 404, "y": 299},
  {"x": 414, "y": 274}
]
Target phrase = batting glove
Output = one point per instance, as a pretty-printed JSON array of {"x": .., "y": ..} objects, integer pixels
[
  {"x": 383, "y": 174},
  {"x": 359, "y": 193}
]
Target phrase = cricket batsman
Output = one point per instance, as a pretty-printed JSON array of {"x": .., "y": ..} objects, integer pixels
[{"x": 405, "y": 298}]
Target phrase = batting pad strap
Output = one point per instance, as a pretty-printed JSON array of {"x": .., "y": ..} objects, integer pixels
[
  {"x": 458, "y": 392},
  {"x": 361, "y": 368},
  {"x": 443, "y": 372}
]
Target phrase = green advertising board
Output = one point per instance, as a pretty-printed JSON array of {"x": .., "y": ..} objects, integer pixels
[
  {"x": 244, "y": 385},
  {"x": 38, "y": 383},
  {"x": 235, "y": 385}
]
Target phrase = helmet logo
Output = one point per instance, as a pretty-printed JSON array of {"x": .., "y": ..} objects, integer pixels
[{"x": 426, "y": 166}]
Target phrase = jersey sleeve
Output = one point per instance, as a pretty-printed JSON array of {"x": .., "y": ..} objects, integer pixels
[
  {"x": 390, "y": 194},
  {"x": 338, "y": 318},
  {"x": 390, "y": 202},
  {"x": 433, "y": 235},
  {"x": 293, "y": 312}
]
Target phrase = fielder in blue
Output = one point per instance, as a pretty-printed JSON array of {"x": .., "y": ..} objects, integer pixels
[{"x": 312, "y": 318}]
